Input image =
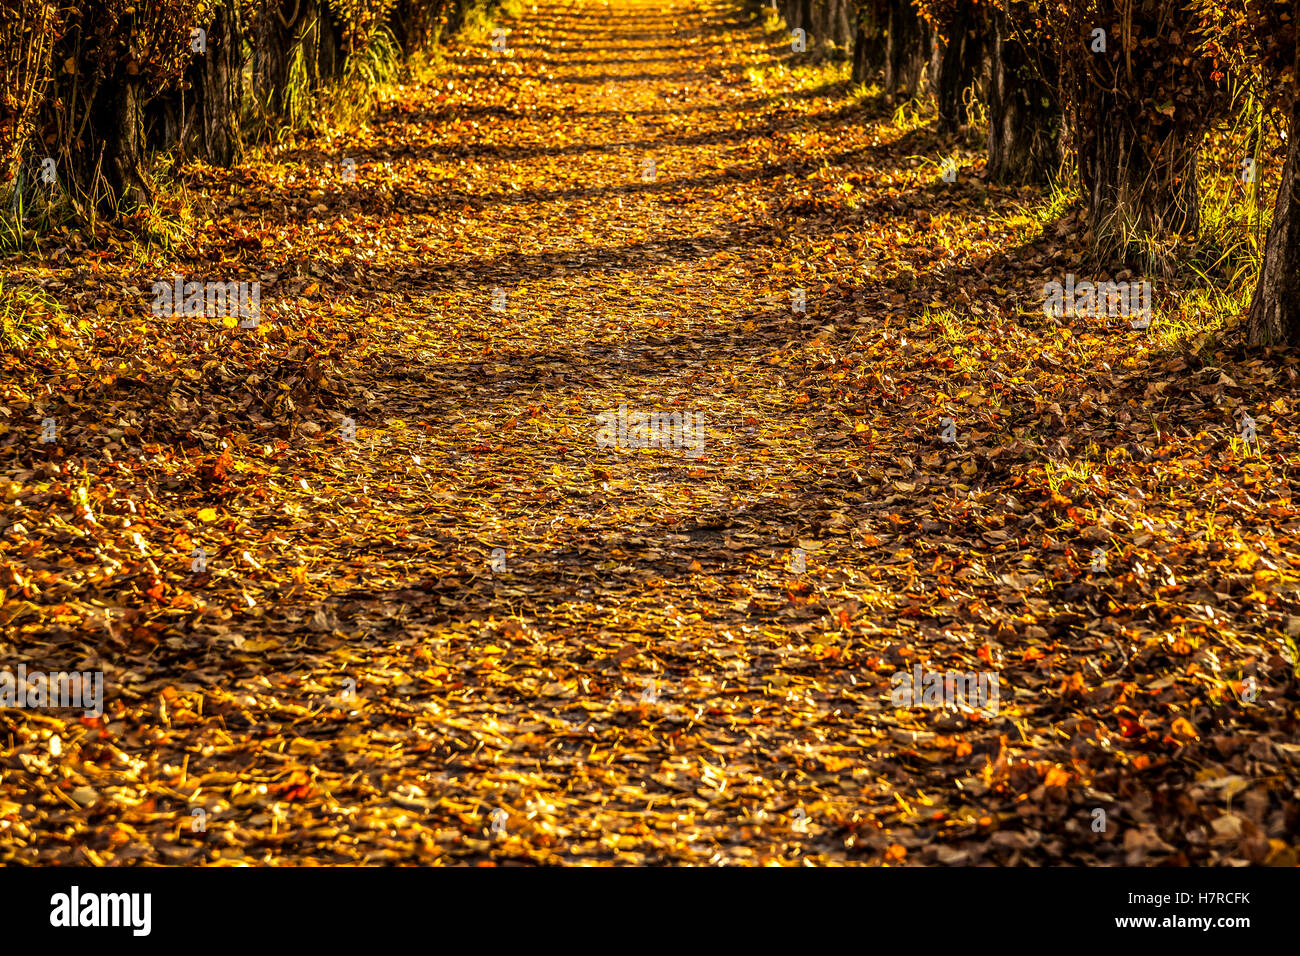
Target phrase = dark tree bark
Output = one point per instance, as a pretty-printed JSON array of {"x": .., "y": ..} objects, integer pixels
[
  {"x": 218, "y": 85},
  {"x": 907, "y": 50},
  {"x": 117, "y": 125},
  {"x": 934, "y": 62},
  {"x": 402, "y": 22},
  {"x": 1024, "y": 110},
  {"x": 862, "y": 41},
  {"x": 963, "y": 58},
  {"x": 806, "y": 19},
  {"x": 868, "y": 53},
  {"x": 331, "y": 57},
  {"x": 273, "y": 51},
  {"x": 1136, "y": 181},
  {"x": 307, "y": 34},
  {"x": 1140, "y": 107},
  {"x": 868, "y": 40},
  {"x": 95, "y": 116},
  {"x": 203, "y": 115},
  {"x": 841, "y": 27},
  {"x": 295, "y": 30},
  {"x": 1275, "y": 308}
]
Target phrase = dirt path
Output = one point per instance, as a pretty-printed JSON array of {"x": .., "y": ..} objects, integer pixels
[{"x": 476, "y": 630}]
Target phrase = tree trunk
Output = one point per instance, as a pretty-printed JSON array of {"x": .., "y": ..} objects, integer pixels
[
  {"x": 116, "y": 125},
  {"x": 407, "y": 25},
  {"x": 962, "y": 59},
  {"x": 868, "y": 53},
  {"x": 907, "y": 48},
  {"x": 868, "y": 40},
  {"x": 219, "y": 88},
  {"x": 331, "y": 57},
  {"x": 845, "y": 23},
  {"x": 1024, "y": 112},
  {"x": 273, "y": 55},
  {"x": 454, "y": 16},
  {"x": 934, "y": 59},
  {"x": 203, "y": 116},
  {"x": 1275, "y": 309},
  {"x": 1136, "y": 182},
  {"x": 307, "y": 34}
]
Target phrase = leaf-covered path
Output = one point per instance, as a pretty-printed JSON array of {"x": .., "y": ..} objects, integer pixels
[{"x": 473, "y": 630}]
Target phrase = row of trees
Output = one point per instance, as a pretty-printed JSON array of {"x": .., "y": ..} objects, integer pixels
[
  {"x": 89, "y": 87},
  {"x": 1125, "y": 90},
  {"x": 829, "y": 21},
  {"x": 1128, "y": 88}
]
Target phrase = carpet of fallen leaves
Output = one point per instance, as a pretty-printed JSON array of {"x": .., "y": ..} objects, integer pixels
[{"x": 670, "y": 659}]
